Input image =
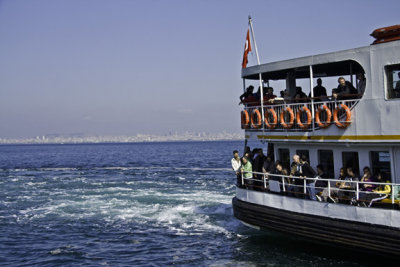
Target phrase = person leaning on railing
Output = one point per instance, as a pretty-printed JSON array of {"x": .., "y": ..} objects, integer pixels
[
  {"x": 304, "y": 170},
  {"x": 246, "y": 168},
  {"x": 247, "y": 94},
  {"x": 344, "y": 89}
]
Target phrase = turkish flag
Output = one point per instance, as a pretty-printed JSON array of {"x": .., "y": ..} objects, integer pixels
[{"x": 247, "y": 49}]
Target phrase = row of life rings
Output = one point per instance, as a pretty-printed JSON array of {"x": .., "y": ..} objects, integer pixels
[{"x": 255, "y": 121}]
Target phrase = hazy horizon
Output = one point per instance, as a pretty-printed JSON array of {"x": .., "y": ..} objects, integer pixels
[{"x": 124, "y": 67}]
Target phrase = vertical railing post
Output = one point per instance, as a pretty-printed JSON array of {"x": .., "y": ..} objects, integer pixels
[
  {"x": 329, "y": 188},
  {"x": 392, "y": 195},
  {"x": 357, "y": 190},
  {"x": 305, "y": 185},
  {"x": 265, "y": 181},
  {"x": 242, "y": 180},
  {"x": 283, "y": 184},
  {"x": 312, "y": 97}
]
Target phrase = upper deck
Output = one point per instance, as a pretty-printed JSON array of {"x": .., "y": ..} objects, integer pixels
[{"x": 369, "y": 116}]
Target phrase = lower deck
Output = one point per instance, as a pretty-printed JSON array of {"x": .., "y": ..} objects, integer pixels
[
  {"x": 363, "y": 228},
  {"x": 380, "y": 158}
]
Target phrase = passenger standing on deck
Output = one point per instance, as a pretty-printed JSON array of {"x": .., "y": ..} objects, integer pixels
[
  {"x": 319, "y": 91},
  {"x": 245, "y": 95},
  {"x": 268, "y": 165},
  {"x": 319, "y": 184},
  {"x": 246, "y": 169},
  {"x": 236, "y": 165},
  {"x": 247, "y": 152},
  {"x": 361, "y": 83},
  {"x": 308, "y": 172},
  {"x": 298, "y": 186},
  {"x": 259, "y": 163},
  {"x": 277, "y": 170}
]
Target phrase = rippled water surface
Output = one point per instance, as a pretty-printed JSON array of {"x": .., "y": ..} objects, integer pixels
[{"x": 135, "y": 204}]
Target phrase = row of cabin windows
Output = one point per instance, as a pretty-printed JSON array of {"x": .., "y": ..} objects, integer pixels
[{"x": 379, "y": 160}]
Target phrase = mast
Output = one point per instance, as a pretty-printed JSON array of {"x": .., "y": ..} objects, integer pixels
[{"x": 259, "y": 74}]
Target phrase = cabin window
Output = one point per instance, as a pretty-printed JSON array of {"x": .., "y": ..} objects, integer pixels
[
  {"x": 303, "y": 152},
  {"x": 380, "y": 162},
  {"x": 393, "y": 81},
  {"x": 350, "y": 159},
  {"x": 284, "y": 157},
  {"x": 325, "y": 158}
]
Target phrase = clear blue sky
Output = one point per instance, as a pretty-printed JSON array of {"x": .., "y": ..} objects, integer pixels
[{"x": 125, "y": 67}]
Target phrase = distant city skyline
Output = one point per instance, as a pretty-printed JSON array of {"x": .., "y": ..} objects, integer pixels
[
  {"x": 82, "y": 138},
  {"x": 121, "y": 68}
]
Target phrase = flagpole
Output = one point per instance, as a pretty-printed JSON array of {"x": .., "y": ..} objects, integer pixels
[
  {"x": 260, "y": 76},
  {"x": 254, "y": 39}
]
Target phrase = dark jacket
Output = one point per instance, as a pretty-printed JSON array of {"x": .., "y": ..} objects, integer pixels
[
  {"x": 319, "y": 91},
  {"x": 275, "y": 178},
  {"x": 344, "y": 90},
  {"x": 258, "y": 163},
  {"x": 307, "y": 171}
]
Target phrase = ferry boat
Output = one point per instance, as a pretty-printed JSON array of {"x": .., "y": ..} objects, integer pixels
[{"x": 354, "y": 130}]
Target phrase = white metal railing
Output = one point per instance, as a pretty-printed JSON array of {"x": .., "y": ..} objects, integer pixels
[
  {"x": 290, "y": 115},
  {"x": 352, "y": 188}
]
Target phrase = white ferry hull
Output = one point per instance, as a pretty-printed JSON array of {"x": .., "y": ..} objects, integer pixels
[{"x": 379, "y": 231}]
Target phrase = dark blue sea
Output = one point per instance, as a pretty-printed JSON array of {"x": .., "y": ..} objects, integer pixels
[{"x": 137, "y": 204}]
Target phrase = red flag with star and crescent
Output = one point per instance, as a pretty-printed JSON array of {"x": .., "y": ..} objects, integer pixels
[{"x": 247, "y": 49}]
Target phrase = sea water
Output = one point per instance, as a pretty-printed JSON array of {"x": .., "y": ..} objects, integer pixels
[{"x": 137, "y": 204}]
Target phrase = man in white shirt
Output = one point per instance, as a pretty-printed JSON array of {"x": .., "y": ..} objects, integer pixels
[{"x": 236, "y": 162}]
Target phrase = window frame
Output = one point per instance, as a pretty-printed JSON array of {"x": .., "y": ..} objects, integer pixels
[
  {"x": 373, "y": 166},
  {"x": 329, "y": 172},
  {"x": 395, "y": 67},
  {"x": 280, "y": 159},
  {"x": 355, "y": 169}
]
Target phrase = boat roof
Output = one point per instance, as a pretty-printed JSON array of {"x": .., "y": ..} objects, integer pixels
[{"x": 328, "y": 64}]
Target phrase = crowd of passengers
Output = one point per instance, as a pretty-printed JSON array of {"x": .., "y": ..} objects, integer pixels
[
  {"x": 316, "y": 189},
  {"x": 344, "y": 90}
]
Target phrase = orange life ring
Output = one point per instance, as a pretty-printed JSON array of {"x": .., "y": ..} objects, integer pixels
[
  {"x": 298, "y": 119},
  {"x": 273, "y": 124},
  {"x": 245, "y": 119},
  {"x": 348, "y": 116},
  {"x": 257, "y": 125},
  {"x": 328, "y": 115},
  {"x": 282, "y": 118}
]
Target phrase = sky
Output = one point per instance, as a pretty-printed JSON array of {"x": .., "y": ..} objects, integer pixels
[{"x": 123, "y": 67}]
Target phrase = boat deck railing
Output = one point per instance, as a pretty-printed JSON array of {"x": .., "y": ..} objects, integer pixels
[
  {"x": 299, "y": 116},
  {"x": 351, "y": 192}
]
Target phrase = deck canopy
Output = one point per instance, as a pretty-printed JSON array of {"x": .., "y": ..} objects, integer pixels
[{"x": 325, "y": 65}]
